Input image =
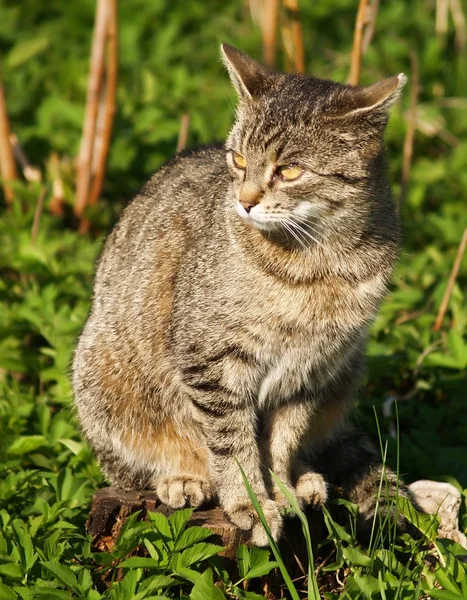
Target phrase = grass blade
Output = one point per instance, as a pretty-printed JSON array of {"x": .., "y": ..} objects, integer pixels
[
  {"x": 313, "y": 592},
  {"x": 274, "y": 547}
]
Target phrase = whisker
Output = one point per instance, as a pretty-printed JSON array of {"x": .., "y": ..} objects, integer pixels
[
  {"x": 298, "y": 235},
  {"x": 302, "y": 225},
  {"x": 295, "y": 236},
  {"x": 305, "y": 222},
  {"x": 298, "y": 227}
]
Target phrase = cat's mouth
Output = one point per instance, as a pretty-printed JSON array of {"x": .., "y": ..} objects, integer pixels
[
  {"x": 300, "y": 228},
  {"x": 257, "y": 217}
]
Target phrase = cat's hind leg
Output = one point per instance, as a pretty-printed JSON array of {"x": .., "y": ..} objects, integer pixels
[
  {"x": 177, "y": 459},
  {"x": 354, "y": 466},
  {"x": 136, "y": 453}
]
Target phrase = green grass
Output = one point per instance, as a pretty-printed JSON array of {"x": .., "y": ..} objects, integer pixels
[{"x": 47, "y": 472}]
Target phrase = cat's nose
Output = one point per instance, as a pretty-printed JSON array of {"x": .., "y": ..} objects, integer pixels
[
  {"x": 247, "y": 205},
  {"x": 250, "y": 195}
]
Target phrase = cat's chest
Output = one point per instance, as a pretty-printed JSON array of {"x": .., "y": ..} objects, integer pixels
[{"x": 298, "y": 337}]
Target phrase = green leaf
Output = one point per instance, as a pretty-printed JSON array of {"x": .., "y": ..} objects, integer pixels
[
  {"x": 85, "y": 579},
  {"x": 445, "y": 595},
  {"x": 204, "y": 589},
  {"x": 427, "y": 524},
  {"x": 11, "y": 570},
  {"x": 368, "y": 584},
  {"x": 137, "y": 562},
  {"x": 354, "y": 556},
  {"x": 179, "y": 520},
  {"x": 26, "y": 50},
  {"x": 130, "y": 535},
  {"x": 192, "y": 536},
  {"x": 161, "y": 524},
  {"x": 243, "y": 560},
  {"x": 27, "y": 443},
  {"x": 198, "y": 553},
  {"x": 156, "y": 553},
  {"x": 6, "y": 593},
  {"x": 259, "y": 563},
  {"x": 49, "y": 593},
  {"x": 126, "y": 588},
  {"x": 25, "y": 545},
  {"x": 73, "y": 445},
  {"x": 64, "y": 574},
  {"x": 447, "y": 581},
  {"x": 188, "y": 574},
  {"x": 337, "y": 531},
  {"x": 156, "y": 582}
]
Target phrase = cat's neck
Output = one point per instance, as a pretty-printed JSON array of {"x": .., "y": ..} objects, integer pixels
[{"x": 278, "y": 255}]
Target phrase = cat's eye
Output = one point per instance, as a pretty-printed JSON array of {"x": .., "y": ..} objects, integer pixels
[
  {"x": 239, "y": 160},
  {"x": 289, "y": 172}
]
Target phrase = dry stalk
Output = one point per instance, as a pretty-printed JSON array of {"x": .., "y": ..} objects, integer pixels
[
  {"x": 411, "y": 126},
  {"x": 269, "y": 19},
  {"x": 459, "y": 23},
  {"x": 84, "y": 162},
  {"x": 364, "y": 27},
  {"x": 451, "y": 281},
  {"x": 56, "y": 205},
  {"x": 7, "y": 160},
  {"x": 183, "y": 133},
  {"x": 30, "y": 172},
  {"x": 442, "y": 12},
  {"x": 369, "y": 30},
  {"x": 292, "y": 36},
  {"x": 37, "y": 216},
  {"x": 107, "y": 105}
]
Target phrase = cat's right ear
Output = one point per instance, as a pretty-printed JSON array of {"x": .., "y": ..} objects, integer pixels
[{"x": 250, "y": 78}]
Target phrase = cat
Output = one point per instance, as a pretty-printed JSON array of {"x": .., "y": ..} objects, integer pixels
[{"x": 232, "y": 303}]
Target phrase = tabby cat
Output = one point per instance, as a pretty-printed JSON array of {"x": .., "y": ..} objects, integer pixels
[{"x": 232, "y": 302}]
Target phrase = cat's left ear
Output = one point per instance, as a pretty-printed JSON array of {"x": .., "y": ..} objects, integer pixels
[
  {"x": 250, "y": 78},
  {"x": 374, "y": 99}
]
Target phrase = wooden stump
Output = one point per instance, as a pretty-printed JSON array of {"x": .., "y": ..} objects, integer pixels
[{"x": 112, "y": 506}]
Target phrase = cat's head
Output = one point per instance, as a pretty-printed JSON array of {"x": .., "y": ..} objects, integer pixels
[{"x": 304, "y": 152}]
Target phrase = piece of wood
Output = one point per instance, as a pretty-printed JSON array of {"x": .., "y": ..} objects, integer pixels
[{"x": 112, "y": 506}]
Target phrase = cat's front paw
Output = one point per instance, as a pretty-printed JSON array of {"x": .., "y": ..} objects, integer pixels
[
  {"x": 244, "y": 516},
  {"x": 183, "y": 490},
  {"x": 311, "y": 489}
]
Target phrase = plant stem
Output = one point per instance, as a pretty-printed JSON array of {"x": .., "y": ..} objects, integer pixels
[
  {"x": 451, "y": 281},
  {"x": 366, "y": 17},
  {"x": 292, "y": 36},
  {"x": 84, "y": 162},
  {"x": 183, "y": 133},
  {"x": 407, "y": 152},
  {"x": 7, "y": 160}
]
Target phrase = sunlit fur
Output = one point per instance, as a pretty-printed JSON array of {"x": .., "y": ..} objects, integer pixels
[{"x": 231, "y": 307}]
